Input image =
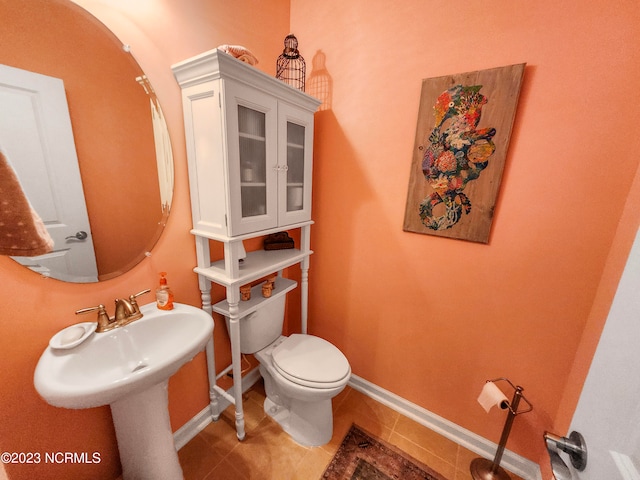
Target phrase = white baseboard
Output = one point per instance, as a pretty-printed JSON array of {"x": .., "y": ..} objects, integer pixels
[
  {"x": 515, "y": 463},
  {"x": 511, "y": 461},
  {"x": 199, "y": 422}
]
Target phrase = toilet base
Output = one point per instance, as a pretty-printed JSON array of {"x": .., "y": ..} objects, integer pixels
[{"x": 308, "y": 423}]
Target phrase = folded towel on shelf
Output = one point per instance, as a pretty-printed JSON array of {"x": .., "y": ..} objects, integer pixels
[
  {"x": 239, "y": 52},
  {"x": 22, "y": 232}
]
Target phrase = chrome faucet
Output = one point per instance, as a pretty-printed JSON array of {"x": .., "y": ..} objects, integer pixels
[{"x": 126, "y": 312}]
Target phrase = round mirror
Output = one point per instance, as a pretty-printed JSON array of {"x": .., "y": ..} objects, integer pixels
[{"x": 82, "y": 129}]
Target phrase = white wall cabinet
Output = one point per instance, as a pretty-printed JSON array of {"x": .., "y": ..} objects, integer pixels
[
  {"x": 249, "y": 146},
  {"x": 250, "y": 150}
]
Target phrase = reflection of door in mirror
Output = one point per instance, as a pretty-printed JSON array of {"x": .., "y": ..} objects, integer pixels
[
  {"x": 36, "y": 135},
  {"x": 117, "y": 143}
]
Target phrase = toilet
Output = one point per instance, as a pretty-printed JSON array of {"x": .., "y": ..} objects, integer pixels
[{"x": 301, "y": 373}]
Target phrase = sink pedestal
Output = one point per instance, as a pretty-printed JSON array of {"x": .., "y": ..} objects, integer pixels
[{"x": 145, "y": 440}]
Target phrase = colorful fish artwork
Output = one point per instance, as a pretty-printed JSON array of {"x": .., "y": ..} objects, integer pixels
[{"x": 456, "y": 154}]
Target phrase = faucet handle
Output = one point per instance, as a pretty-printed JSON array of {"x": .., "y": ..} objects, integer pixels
[
  {"x": 104, "y": 322},
  {"x": 134, "y": 303}
]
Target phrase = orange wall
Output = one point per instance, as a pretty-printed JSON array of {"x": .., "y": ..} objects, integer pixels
[
  {"x": 33, "y": 308},
  {"x": 427, "y": 318}
]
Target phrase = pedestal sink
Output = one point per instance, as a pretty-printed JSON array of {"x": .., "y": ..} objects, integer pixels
[{"x": 128, "y": 368}]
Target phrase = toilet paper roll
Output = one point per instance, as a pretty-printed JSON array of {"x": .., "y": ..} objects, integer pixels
[
  {"x": 491, "y": 396},
  {"x": 296, "y": 197}
]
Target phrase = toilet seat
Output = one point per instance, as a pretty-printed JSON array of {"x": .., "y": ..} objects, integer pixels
[{"x": 311, "y": 361}]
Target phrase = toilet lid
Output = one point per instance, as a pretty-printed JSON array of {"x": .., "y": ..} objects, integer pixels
[{"x": 311, "y": 361}]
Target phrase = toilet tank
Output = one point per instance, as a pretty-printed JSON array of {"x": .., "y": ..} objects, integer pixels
[{"x": 261, "y": 319}]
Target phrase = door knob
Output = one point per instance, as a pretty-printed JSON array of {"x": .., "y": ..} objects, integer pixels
[
  {"x": 81, "y": 235},
  {"x": 574, "y": 445}
]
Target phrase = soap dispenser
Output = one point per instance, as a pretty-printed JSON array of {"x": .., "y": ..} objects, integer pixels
[{"x": 164, "y": 295}]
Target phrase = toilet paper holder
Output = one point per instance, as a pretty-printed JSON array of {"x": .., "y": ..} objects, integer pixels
[{"x": 483, "y": 469}]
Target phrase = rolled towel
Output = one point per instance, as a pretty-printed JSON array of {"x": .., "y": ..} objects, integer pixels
[
  {"x": 22, "y": 232},
  {"x": 239, "y": 52}
]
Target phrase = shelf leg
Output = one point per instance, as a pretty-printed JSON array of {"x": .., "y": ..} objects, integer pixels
[
  {"x": 205, "y": 289},
  {"x": 304, "y": 294},
  {"x": 305, "y": 246},
  {"x": 214, "y": 406},
  {"x": 233, "y": 298},
  {"x": 203, "y": 256},
  {"x": 205, "y": 294}
]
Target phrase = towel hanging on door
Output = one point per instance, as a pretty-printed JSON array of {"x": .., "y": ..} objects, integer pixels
[{"x": 22, "y": 232}]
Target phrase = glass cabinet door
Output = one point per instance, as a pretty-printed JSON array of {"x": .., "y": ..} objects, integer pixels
[
  {"x": 253, "y": 161},
  {"x": 252, "y": 138},
  {"x": 295, "y": 167},
  {"x": 295, "y": 161}
]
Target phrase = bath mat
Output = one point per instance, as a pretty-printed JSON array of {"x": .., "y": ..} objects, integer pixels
[{"x": 365, "y": 457}]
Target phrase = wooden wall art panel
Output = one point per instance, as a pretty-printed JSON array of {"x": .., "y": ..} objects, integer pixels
[{"x": 462, "y": 136}]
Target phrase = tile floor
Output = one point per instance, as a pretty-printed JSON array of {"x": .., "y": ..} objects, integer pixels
[{"x": 267, "y": 453}]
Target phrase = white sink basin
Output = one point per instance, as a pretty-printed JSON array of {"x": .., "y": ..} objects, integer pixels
[
  {"x": 128, "y": 368},
  {"x": 110, "y": 365}
]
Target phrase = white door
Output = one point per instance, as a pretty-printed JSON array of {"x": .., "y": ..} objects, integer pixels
[
  {"x": 608, "y": 412},
  {"x": 36, "y": 135}
]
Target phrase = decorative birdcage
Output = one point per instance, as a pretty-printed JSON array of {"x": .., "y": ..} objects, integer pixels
[{"x": 290, "y": 67}]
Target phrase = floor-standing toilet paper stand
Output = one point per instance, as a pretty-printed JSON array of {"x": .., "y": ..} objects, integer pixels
[{"x": 483, "y": 469}]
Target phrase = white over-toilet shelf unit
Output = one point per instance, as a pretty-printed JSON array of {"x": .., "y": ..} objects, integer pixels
[{"x": 249, "y": 143}]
